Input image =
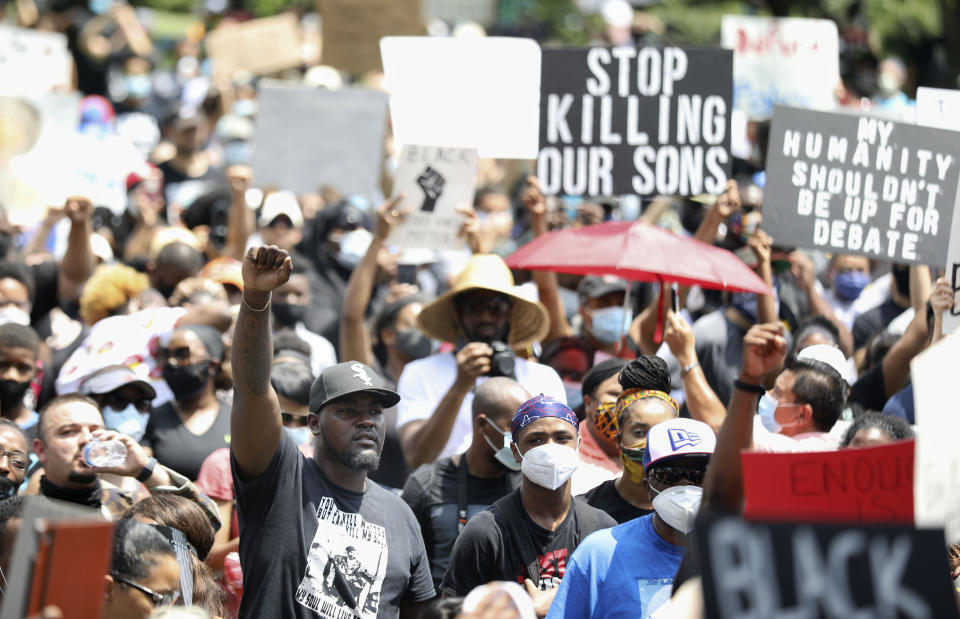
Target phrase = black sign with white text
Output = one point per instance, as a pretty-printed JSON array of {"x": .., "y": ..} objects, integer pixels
[
  {"x": 775, "y": 571},
  {"x": 643, "y": 121},
  {"x": 849, "y": 184}
]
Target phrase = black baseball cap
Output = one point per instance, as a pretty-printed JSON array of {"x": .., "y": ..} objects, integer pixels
[
  {"x": 346, "y": 378},
  {"x": 596, "y": 286}
]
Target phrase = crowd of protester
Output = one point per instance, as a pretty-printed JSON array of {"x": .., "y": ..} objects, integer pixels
[{"x": 310, "y": 430}]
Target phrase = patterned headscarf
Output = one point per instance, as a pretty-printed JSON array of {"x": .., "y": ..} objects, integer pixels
[
  {"x": 538, "y": 407},
  {"x": 630, "y": 396}
]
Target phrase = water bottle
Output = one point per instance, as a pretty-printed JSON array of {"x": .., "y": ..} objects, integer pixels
[{"x": 104, "y": 454}]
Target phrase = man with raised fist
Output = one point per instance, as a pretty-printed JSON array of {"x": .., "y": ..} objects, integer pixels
[{"x": 300, "y": 518}]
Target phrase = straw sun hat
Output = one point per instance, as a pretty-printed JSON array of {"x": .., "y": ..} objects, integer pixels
[{"x": 529, "y": 321}]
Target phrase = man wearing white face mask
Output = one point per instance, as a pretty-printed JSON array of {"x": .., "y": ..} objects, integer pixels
[
  {"x": 124, "y": 399},
  {"x": 529, "y": 535},
  {"x": 446, "y": 494},
  {"x": 628, "y": 571}
]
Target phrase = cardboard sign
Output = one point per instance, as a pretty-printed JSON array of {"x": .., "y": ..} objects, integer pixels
[
  {"x": 873, "y": 485},
  {"x": 478, "y": 93},
  {"x": 33, "y": 61},
  {"x": 851, "y": 184},
  {"x": 43, "y": 569},
  {"x": 484, "y": 12},
  {"x": 641, "y": 121},
  {"x": 782, "y": 61},
  {"x": 261, "y": 46},
  {"x": 780, "y": 570},
  {"x": 352, "y": 30},
  {"x": 307, "y": 138},
  {"x": 936, "y": 493},
  {"x": 939, "y": 108},
  {"x": 435, "y": 182}
]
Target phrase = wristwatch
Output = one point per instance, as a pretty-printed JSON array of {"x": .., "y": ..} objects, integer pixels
[{"x": 147, "y": 471}]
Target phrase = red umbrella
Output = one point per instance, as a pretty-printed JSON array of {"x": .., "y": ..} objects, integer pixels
[{"x": 637, "y": 251}]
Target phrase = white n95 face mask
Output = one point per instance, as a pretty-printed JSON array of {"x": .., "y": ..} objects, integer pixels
[
  {"x": 550, "y": 466},
  {"x": 678, "y": 506}
]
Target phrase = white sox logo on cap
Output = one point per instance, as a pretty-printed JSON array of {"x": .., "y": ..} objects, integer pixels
[{"x": 360, "y": 373}]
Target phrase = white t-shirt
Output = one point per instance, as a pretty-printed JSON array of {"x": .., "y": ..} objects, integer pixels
[
  {"x": 322, "y": 353},
  {"x": 770, "y": 442},
  {"x": 424, "y": 382}
]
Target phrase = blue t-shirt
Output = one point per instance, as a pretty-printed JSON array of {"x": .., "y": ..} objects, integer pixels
[
  {"x": 625, "y": 571},
  {"x": 900, "y": 405}
]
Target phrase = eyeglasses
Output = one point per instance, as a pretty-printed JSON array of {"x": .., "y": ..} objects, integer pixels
[
  {"x": 671, "y": 475},
  {"x": 475, "y": 306},
  {"x": 158, "y": 599},
  {"x": 119, "y": 402},
  {"x": 18, "y": 459}
]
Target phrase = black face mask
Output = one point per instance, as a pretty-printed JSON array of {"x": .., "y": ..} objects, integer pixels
[
  {"x": 11, "y": 393},
  {"x": 187, "y": 381},
  {"x": 166, "y": 291},
  {"x": 413, "y": 344},
  {"x": 288, "y": 314},
  {"x": 8, "y": 488}
]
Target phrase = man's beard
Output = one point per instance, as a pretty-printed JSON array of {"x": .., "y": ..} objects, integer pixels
[
  {"x": 363, "y": 461},
  {"x": 81, "y": 478}
]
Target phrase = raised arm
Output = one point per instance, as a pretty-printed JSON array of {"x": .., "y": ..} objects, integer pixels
[
  {"x": 702, "y": 402},
  {"x": 547, "y": 284},
  {"x": 355, "y": 342},
  {"x": 803, "y": 271},
  {"x": 255, "y": 424},
  {"x": 941, "y": 301},
  {"x": 763, "y": 350},
  {"x": 78, "y": 261},
  {"x": 240, "y": 224}
]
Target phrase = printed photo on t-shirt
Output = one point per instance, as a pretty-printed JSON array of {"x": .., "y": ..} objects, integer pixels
[
  {"x": 346, "y": 564},
  {"x": 654, "y": 593}
]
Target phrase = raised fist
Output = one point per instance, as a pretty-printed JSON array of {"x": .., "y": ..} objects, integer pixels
[
  {"x": 431, "y": 182},
  {"x": 264, "y": 268}
]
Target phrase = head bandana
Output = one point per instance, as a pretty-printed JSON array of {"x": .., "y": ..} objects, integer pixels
[
  {"x": 538, "y": 407},
  {"x": 630, "y": 396}
]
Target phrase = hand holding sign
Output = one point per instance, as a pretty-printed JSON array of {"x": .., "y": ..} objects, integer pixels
[
  {"x": 728, "y": 202},
  {"x": 764, "y": 347}
]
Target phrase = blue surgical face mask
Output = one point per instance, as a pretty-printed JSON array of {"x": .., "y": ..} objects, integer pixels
[
  {"x": 237, "y": 152},
  {"x": 574, "y": 393},
  {"x": 299, "y": 435},
  {"x": 353, "y": 246},
  {"x": 138, "y": 86},
  {"x": 767, "y": 409},
  {"x": 746, "y": 302},
  {"x": 129, "y": 421},
  {"x": 610, "y": 324},
  {"x": 849, "y": 284},
  {"x": 503, "y": 455}
]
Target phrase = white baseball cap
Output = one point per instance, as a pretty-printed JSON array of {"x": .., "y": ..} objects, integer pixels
[{"x": 677, "y": 438}]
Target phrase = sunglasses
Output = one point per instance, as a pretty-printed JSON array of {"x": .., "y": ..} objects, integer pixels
[
  {"x": 473, "y": 306},
  {"x": 119, "y": 402},
  {"x": 671, "y": 475},
  {"x": 158, "y": 599}
]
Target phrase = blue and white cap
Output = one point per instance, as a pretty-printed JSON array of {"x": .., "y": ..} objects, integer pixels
[{"x": 677, "y": 438}]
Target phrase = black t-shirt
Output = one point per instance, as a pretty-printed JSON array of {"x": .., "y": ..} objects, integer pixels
[
  {"x": 393, "y": 470},
  {"x": 310, "y": 548},
  {"x": 432, "y": 494},
  {"x": 182, "y": 190},
  {"x": 873, "y": 320},
  {"x": 499, "y": 544},
  {"x": 606, "y": 498},
  {"x": 178, "y": 448}
]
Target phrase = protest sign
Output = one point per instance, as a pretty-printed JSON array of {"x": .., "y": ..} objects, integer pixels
[
  {"x": 484, "y": 12},
  {"x": 782, "y": 61},
  {"x": 873, "y": 485},
  {"x": 435, "y": 182},
  {"x": 940, "y": 108},
  {"x": 634, "y": 121},
  {"x": 478, "y": 93},
  {"x": 33, "y": 61},
  {"x": 309, "y": 137},
  {"x": 260, "y": 46},
  {"x": 937, "y": 468},
  {"x": 851, "y": 184},
  {"x": 767, "y": 571},
  {"x": 352, "y": 30},
  {"x": 43, "y": 564}
]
